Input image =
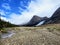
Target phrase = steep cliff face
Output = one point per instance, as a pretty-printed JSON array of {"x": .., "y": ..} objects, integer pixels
[
  {"x": 35, "y": 20},
  {"x": 55, "y": 18}
]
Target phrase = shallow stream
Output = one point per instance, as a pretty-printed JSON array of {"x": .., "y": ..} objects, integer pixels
[{"x": 7, "y": 35}]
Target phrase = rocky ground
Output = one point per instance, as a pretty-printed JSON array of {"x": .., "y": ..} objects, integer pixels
[{"x": 43, "y": 35}]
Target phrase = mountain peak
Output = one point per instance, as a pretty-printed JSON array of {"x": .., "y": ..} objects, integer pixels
[{"x": 55, "y": 18}]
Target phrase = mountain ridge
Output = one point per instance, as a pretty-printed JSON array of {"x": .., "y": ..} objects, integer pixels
[{"x": 55, "y": 18}]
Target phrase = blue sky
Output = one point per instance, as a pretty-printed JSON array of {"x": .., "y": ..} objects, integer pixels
[{"x": 21, "y": 11}]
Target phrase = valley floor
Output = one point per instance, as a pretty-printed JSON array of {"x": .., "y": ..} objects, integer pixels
[{"x": 44, "y": 35}]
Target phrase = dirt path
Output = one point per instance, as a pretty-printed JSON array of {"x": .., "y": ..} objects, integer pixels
[{"x": 32, "y": 37}]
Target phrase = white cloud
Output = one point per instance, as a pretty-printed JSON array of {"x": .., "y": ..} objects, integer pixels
[
  {"x": 6, "y": 6},
  {"x": 2, "y": 12},
  {"x": 45, "y": 8},
  {"x": 19, "y": 19},
  {"x": 20, "y": 9},
  {"x": 38, "y": 7},
  {"x": 3, "y": 18}
]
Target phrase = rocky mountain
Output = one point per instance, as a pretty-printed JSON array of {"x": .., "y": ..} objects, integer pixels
[
  {"x": 35, "y": 20},
  {"x": 55, "y": 18}
]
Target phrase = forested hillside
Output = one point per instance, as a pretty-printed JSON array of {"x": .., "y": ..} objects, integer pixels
[{"x": 6, "y": 24}]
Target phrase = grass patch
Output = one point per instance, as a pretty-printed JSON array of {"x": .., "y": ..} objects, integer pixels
[
  {"x": 50, "y": 29},
  {"x": 3, "y": 30}
]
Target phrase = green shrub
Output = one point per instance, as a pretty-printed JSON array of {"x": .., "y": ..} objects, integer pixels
[{"x": 50, "y": 29}]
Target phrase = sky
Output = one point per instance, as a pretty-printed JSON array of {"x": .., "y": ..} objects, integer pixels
[{"x": 21, "y": 11}]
